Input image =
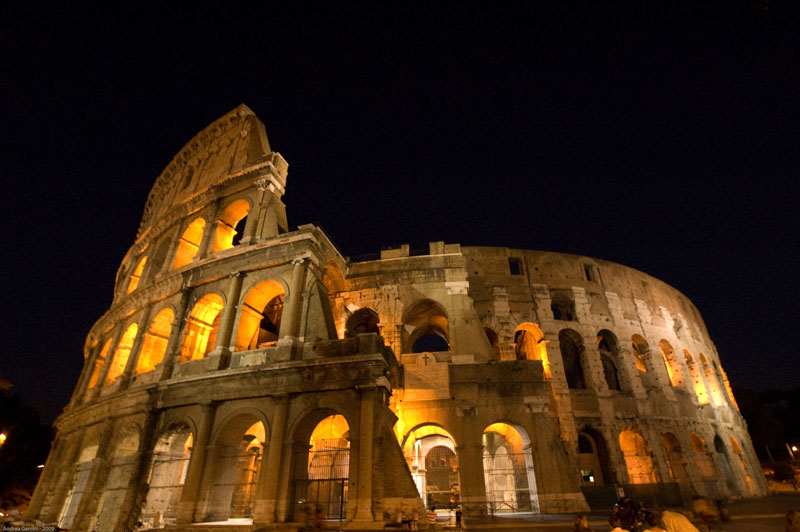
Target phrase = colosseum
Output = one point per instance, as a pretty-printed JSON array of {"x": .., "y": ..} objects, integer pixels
[{"x": 246, "y": 375}]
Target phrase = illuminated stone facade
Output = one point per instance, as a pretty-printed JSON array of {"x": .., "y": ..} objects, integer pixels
[{"x": 247, "y": 375}]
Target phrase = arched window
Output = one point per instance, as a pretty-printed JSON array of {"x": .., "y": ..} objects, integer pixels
[
  {"x": 230, "y": 226},
  {"x": 508, "y": 469},
  {"x": 154, "y": 344},
  {"x": 699, "y": 385},
  {"x": 562, "y": 306},
  {"x": 201, "y": 328},
  {"x": 189, "y": 244},
  {"x": 79, "y": 483},
  {"x": 712, "y": 381},
  {"x": 364, "y": 320},
  {"x": 638, "y": 459},
  {"x": 136, "y": 276},
  {"x": 641, "y": 350},
  {"x": 98, "y": 364},
  {"x": 675, "y": 462},
  {"x": 704, "y": 464},
  {"x": 426, "y": 328},
  {"x": 529, "y": 344},
  {"x": 725, "y": 385},
  {"x": 322, "y": 466},
  {"x": 608, "y": 347},
  {"x": 572, "y": 350},
  {"x": 430, "y": 453},
  {"x": 260, "y": 317},
  {"x": 593, "y": 458},
  {"x": 236, "y": 465},
  {"x": 168, "y": 468},
  {"x": 123, "y": 351},
  {"x": 671, "y": 363}
]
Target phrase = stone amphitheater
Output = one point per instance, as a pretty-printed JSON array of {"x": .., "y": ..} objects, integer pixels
[{"x": 250, "y": 376}]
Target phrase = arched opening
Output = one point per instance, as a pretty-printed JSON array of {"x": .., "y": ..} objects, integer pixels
[
  {"x": 158, "y": 258},
  {"x": 98, "y": 364},
  {"x": 494, "y": 341},
  {"x": 425, "y": 327},
  {"x": 364, "y": 320},
  {"x": 675, "y": 461},
  {"x": 593, "y": 458},
  {"x": 571, "y": 345},
  {"x": 737, "y": 450},
  {"x": 123, "y": 462},
  {"x": 608, "y": 347},
  {"x": 698, "y": 384},
  {"x": 201, "y": 329},
  {"x": 260, "y": 316},
  {"x": 78, "y": 483},
  {"x": 725, "y": 385},
  {"x": 136, "y": 276},
  {"x": 529, "y": 344},
  {"x": 638, "y": 459},
  {"x": 168, "y": 468},
  {"x": 230, "y": 226},
  {"x": 701, "y": 457},
  {"x": 722, "y": 457},
  {"x": 641, "y": 349},
  {"x": 711, "y": 380},
  {"x": 121, "y": 354},
  {"x": 235, "y": 465},
  {"x": 333, "y": 279},
  {"x": 671, "y": 363},
  {"x": 189, "y": 244},
  {"x": 430, "y": 452},
  {"x": 154, "y": 343},
  {"x": 508, "y": 469},
  {"x": 322, "y": 466}
]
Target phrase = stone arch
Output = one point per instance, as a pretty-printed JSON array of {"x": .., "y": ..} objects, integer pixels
[
  {"x": 671, "y": 363},
  {"x": 136, "y": 276},
  {"x": 701, "y": 457},
  {"x": 572, "y": 355},
  {"x": 641, "y": 351},
  {"x": 430, "y": 452},
  {"x": 321, "y": 464},
  {"x": 363, "y": 320},
  {"x": 158, "y": 258},
  {"x": 494, "y": 341},
  {"x": 562, "y": 305},
  {"x": 235, "y": 465},
  {"x": 154, "y": 344},
  {"x": 724, "y": 461},
  {"x": 230, "y": 225},
  {"x": 98, "y": 364},
  {"x": 608, "y": 347},
  {"x": 260, "y": 316},
  {"x": 675, "y": 461},
  {"x": 202, "y": 324},
  {"x": 593, "y": 458},
  {"x": 725, "y": 385},
  {"x": 121, "y": 353},
  {"x": 748, "y": 480},
  {"x": 425, "y": 327},
  {"x": 638, "y": 457},
  {"x": 123, "y": 461},
  {"x": 189, "y": 243},
  {"x": 167, "y": 473},
  {"x": 508, "y": 469},
  {"x": 78, "y": 483},
  {"x": 712, "y": 381},
  {"x": 529, "y": 344},
  {"x": 698, "y": 384},
  {"x": 334, "y": 279}
]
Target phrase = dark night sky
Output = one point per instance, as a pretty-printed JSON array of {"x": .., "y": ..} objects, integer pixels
[{"x": 662, "y": 138}]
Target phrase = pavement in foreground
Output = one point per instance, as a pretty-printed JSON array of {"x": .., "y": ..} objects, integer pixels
[{"x": 767, "y": 514}]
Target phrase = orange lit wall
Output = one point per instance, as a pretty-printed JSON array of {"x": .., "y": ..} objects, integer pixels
[{"x": 155, "y": 341}]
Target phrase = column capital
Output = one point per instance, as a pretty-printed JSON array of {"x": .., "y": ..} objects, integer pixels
[{"x": 302, "y": 259}]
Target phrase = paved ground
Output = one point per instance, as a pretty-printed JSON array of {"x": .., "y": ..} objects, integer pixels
[{"x": 756, "y": 515}]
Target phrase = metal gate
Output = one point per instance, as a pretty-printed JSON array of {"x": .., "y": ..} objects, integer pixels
[{"x": 325, "y": 486}]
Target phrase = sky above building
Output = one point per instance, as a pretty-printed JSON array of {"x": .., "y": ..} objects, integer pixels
[{"x": 662, "y": 139}]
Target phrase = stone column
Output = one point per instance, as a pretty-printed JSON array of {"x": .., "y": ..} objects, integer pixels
[
  {"x": 253, "y": 217},
  {"x": 365, "y": 436},
  {"x": 290, "y": 321},
  {"x": 267, "y": 490},
  {"x": 137, "y": 488},
  {"x": 133, "y": 356},
  {"x": 43, "y": 486},
  {"x": 171, "y": 353},
  {"x": 194, "y": 476},
  {"x": 470, "y": 458},
  {"x": 209, "y": 230},
  {"x": 86, "y": 376},
  {"x": 222, "y": 348},
  {"x": 101, "y": 378},
  {"x": 62, "y": 472}
]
